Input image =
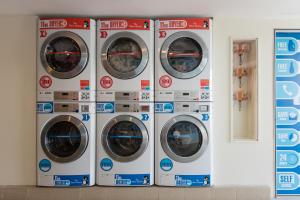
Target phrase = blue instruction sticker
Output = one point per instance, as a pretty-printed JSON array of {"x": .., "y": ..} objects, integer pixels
[
  {"x": 166, "y": 164},
  {"x": 106, "y": 164},
  {"x": 71, "y": 180},
  {"x": 132, "y": 179},
  {"x": 164, "y": 107},
  {"x": 44, "y": 107},
  {"x": 192, "y": 180},
  {"x": 105, "y": 107},
  {"x": 45, "y": 165}
]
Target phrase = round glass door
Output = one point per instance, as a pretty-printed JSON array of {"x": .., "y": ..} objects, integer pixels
[
  {"x": 184, "y": 55},
  {"x": 184, "y": 138},
  {"x": 125, "y": 138},
  {"x": 124, "y": 55},
  {"x": 64, "y": 55},
  {"x": 64, "y": 138}
]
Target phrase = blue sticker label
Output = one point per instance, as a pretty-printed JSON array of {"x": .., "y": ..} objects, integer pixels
[
  {"x": 166, "y": 164},
  {"x": 132, "y": 179},
  {"x": 45, "y": 165},
  {"x": 286, "y": 46},
  {"x": 85, "y": 117},
  {"x": 106, "y": 164},
  {"x": 44, "y": 107},
  {"x": 145, "y": 117},
  {"x": 71, "y": 180},
  {"x": 286, "y": 137},
  {"x": 286, "y": 159},
  {"x": 286, "y": 68},
  {"x": 105, "y": 107},
  {"x": 286, "y": 181},
  {"x": 205, "y": 117},
  {"x": 286, "y": 89},
  {"x": 286, "y": 116},
  {"x": 192, "y": 180},
  {"x": 164, "y": 107}
]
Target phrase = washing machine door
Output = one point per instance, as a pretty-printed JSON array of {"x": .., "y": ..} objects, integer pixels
[
  {"x": 125, "y": 138},
  {"x": 64, "y": 55},
  {"x": 184, "y": 138},
  {"x": 184, "y": 55},
  {"x": 64, "y": 138},
  {"x": 124, "y": 55}
]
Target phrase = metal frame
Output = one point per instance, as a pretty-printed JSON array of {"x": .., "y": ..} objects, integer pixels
[
  {"x": 165, "y": 49},
  {"x": 83, "y": 59},
  {"x": 126, "y": 75},
  {"x": 110, "y": 124},
  {"x": 168, "y": 150},
  {"x": 83, "y": 139}
]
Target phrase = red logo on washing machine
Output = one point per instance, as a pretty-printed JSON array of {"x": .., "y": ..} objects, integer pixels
[
  {"x": 162, "y": 34},
  {"x": 45, "y": 81},
  {"x": 106, "y": 82},
  {"x": 165, "y": 81},
  {"x": 103, "y": 34},
  {"x": 43, "y": 33}
]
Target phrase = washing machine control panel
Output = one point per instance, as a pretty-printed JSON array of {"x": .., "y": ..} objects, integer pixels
[
  {"x": 131, "y": 107},
  {"x": 66, "y": 96},
  {"x": 190, "y": 107},
  {"x": 74, "y": 107},
  {"x": 195, "y": 95},
  {"x": 145, "y": 96}
]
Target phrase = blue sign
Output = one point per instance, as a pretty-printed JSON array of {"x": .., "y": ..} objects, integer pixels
[
  {"x": 85, "y": 117},
  {"x": 164, "y": 107},
  {"x": 145, "y": 117},
  {"x": 106, "y": 164},
  {"x": 105, "y": 107},
  {"x": 166, "y": 164},
  {"x": 45, "y": 165},
  {"x": 287, "y": 106},
  {"x": 44, "y": 107},
  {"x": 71, "y": 180},
  {"x": 132, "y": 179},
  {"x": 192, "y": 180}
]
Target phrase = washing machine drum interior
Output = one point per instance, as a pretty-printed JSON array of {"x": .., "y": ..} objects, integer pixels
[
  {"x": 64, "y": 55},
  {"x": 124, "y": 55},
  {"x": 125, "y": 138},
  {"x": 64, "y": 139},
  {"x": 184, "y": 55},
  {"x": 184, "y": 138}
]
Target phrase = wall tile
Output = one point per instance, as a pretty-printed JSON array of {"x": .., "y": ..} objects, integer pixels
[
  {"x": 14, "y": 193},
  {"x": 43, "y": 193},
  {"x": 197, "y": 194},
  {"x": 224, "y": 193}
]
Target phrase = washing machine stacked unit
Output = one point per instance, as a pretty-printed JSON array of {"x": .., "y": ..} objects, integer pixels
[
  {"x": 66, "y": 93},
  {"x": 125, "y": 116},
  {"x": 183, "y": 102}
]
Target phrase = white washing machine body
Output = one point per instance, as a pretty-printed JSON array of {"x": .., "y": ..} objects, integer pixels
[
  {"x": 66, "y": 59},
  {"x": 183, "y": 144},
  {"x": 125, "y": 59},
  {"x": 125, "y": 144},
  {"x": 66, "y": 137},
  {"x": 183, "y": 59}
]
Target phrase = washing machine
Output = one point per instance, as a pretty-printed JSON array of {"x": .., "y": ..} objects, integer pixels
[
  {"x": 66, "y": 59},
  {"x": 183, "y": 58},
  {"x": 66, "y": 137},
  {"x": 125, "y": 144},
  {"x": 183, "y": 142},
  {"x": 125, "y": 65}
]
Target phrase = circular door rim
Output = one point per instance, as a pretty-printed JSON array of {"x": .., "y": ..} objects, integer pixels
[
  {"x": 168, "y": 150},
  {"x": 84, "y": 55},
  {"x": 165, "y": 49},
  {"x": 143, "y": 145},
  {"x": 84, "y": 138},
  {"x": 125, "y": 75}
]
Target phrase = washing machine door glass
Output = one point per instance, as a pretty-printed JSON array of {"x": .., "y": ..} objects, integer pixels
[
  {"x": 64, "y": 139},
  {"x": 125, "y": 138},
  {"x": 184, "y": 138},
  {"x": 64, "y": 55},
  {"x": 184, "y": 55},
  {"x": 124, "y": 55}
]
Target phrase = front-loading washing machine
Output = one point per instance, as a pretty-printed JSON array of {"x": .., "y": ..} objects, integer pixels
[
  {"x": 125, "y": 59},
  {"x": 66, "y": 137},
  {"x": 66, "y": 62},
  {"x": 125, "y": 144},
  {"x": 183, "y": 144},
  {"x": 183, "y": 58}
]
